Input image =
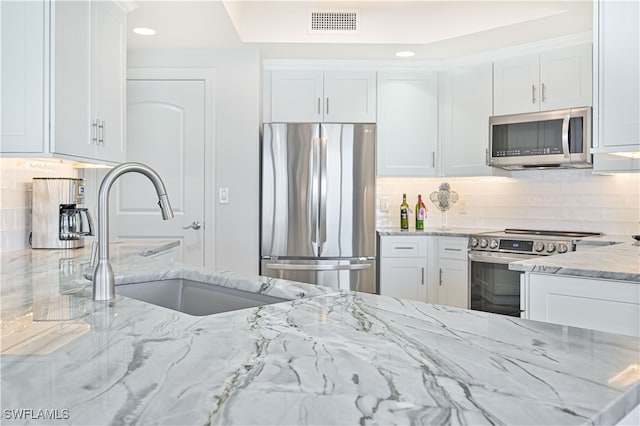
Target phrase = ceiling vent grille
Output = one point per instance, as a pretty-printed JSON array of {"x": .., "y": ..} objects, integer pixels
[{"x": 336, "y": 21}]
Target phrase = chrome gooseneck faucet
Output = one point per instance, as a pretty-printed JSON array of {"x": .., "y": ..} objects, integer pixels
[{"x": 103, "y": 278}]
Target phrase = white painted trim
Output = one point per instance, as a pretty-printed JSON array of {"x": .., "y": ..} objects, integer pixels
[{"x": 208, "y": 76}]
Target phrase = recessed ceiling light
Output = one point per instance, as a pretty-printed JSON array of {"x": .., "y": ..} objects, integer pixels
[
  {"x": 144, "y": 31},
  {"x": 405, "y": 54}
]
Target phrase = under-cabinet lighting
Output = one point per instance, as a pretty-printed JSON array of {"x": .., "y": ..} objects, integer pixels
[
  {"x": 405, "y": 54},
  {"x": 634, "y": 155},
  {"x": 144, "y": 31}
]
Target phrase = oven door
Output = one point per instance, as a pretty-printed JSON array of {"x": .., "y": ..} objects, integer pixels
[{"x": 493, "y": 287}]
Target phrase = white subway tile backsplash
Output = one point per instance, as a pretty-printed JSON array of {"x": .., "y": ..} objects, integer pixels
[
  {"x": 542, "y": 199},
  {"x": 15, "y": 196}
]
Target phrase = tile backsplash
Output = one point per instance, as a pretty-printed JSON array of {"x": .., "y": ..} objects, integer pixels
[
  {"x": 15, "y": 196},
  {"x": 574, "y": 200}
]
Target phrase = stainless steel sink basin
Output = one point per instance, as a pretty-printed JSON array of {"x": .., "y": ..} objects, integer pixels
[{"x": 193, "y": 297}]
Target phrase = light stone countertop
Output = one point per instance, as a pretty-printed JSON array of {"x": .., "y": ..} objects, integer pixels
[
  {"x": 331, "y": 357},
  {"x": 432, "y": 231},
  {"x": 610, "y": 262}
]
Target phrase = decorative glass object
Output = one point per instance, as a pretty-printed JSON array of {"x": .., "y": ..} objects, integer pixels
[{"x": 444, "y": 198}]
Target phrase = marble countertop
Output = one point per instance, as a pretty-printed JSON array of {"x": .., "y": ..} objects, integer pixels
[
  {"x": 612, "y": 262},
  {"x": 439, "y": 232},
  {"x": 326, "y": 357}
]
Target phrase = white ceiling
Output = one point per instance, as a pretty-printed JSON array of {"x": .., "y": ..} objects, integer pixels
[{"x": 434, "y": 29}]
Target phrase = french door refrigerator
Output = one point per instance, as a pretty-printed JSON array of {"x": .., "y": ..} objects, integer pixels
[{"x": 318, "y": 204}]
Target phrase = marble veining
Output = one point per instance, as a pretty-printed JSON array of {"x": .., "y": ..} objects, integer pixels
[
  {"x": 433, "y": 232},
  {"x": 612, "y": 262},
  {"x": 331, "y": 357}
]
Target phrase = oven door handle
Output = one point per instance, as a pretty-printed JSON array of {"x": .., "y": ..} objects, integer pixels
[{"x": 501, "y": 259}]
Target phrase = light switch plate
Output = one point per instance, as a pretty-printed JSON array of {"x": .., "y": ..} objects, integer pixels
[
  {"x": 384, "y": 204},
  {"x": 462, "y": 206},
  {"x": 223, "y": 195}
]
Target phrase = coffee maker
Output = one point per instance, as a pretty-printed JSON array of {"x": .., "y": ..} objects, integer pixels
[{"x": 57, "y": 222}]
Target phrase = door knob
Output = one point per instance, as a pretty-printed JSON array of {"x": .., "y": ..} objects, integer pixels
[{"x": 194, "y": 225}]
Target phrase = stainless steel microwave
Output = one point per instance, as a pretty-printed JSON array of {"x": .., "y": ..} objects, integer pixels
[{"x": 560, "y": 138}]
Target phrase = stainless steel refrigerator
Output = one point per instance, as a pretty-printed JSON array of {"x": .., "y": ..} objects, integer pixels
[{"x": 318, "y": 204}]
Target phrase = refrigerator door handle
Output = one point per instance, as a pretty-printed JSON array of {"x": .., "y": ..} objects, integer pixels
[
  {"x": 299, "y": 267},
  {"x": 314, "y": 192},
  {"x": 323, "y": 195}
]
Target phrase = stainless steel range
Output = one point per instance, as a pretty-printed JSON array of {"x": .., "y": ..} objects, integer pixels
[{"x": 495, "y": 288}]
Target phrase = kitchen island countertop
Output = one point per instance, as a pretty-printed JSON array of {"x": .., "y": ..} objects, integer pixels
[{"x": 327, "y": 357}]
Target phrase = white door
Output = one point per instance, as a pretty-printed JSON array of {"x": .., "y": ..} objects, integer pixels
[{"x": 165, "y": 130}]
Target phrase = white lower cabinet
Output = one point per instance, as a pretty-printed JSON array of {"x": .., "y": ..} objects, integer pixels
[
  {"x": 403, "y": 267},
  {"x": 604, "y": 305},
  {"x": 453, "y": 272},
  {"x": 425, "y": 268}
]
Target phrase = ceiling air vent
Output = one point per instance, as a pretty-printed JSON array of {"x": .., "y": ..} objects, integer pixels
[{"x": 333, "y": 21}]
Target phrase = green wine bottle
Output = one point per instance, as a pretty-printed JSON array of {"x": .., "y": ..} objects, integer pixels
[
  {"x": 421, "y": 213},
  {"x": 404, "y": 213}
]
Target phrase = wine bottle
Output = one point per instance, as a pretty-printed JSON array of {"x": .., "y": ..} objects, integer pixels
[
  {"x": 421, "y": 213},
  {"x": 404, "y": 213}
]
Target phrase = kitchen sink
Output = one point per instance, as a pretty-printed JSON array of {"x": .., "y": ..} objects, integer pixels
[{"x": 194, "y": 297}]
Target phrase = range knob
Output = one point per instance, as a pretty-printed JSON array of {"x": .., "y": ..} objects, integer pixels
[
  {"x": 538, "y": 246},
  {"x": 551, "y": 247},
  {"x": 473, "y": 242},
  {"x": 493, "y": 244},
  {"x": 483, "y": 242},
  {"x": 562, "y": 248}
]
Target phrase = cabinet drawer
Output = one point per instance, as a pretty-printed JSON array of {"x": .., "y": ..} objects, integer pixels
[
  {"x": 452, "y": 248},
  {"x": 403, "y": 246}
]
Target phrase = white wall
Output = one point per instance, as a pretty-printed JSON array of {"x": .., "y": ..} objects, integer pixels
[
  {"x": 236, "y": 146},
  {"x": 541, "y": 199},
  {"x": 15, "y": 196}
]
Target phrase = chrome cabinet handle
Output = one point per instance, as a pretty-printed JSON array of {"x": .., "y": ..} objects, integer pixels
[
  {"x": 327, "y": 111},
  {"x": 452, "y": 249},
  {"x": 423, "y": 275},
  {"x": 101, "y": 133},
  {"x": 194, "y": 225},
  {"x": 440, "y": 276},
  {"x": 533, "y": 93},
  {"x": 542, "y": 96},
  {"x": 319, "y": 103}
]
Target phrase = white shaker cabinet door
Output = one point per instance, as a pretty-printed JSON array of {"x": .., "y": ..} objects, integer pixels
[
  {"x": 404, "y": 278},
  {"x": 24, "y": 76},
  {"x": 296, "y": 96},
  {"x": 566, "y": 78},
  {"x": 71, "y": 79},
  {"x": 604, "y": 305},
  {"x": 350, "y": 96},
  {"x": 466, "y": 106},
  {"x": 619, "y": 67},
  {"x": 516, "y": 85},
  {"x": 109, "y": 80},
  {"x": 407, "y": 143}
]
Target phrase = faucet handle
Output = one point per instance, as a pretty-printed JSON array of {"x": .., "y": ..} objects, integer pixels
[{"x": 94, "y": 253}]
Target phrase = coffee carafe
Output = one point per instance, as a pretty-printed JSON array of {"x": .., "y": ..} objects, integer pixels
[{"x": 57, "y": 220}]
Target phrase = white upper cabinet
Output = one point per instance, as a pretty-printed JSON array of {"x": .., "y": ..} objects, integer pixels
[
  {"x": 555, "y": 79},
  {"x": 317, "y": 96},
  {"x": 23, "y": 76},
  {"x": 407, "y": 123},
  {"x": 617, "y": 110},
  {"x": 109, "y": 74},
  {"x": 83, "y": 70},
  {"x": 465, "y": 107}
]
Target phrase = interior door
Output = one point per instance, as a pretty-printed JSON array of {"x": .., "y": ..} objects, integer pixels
[{"x": 166, "y": 130}]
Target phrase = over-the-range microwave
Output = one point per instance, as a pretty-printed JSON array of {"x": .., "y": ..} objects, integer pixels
[{"x": 560, "y": 138}]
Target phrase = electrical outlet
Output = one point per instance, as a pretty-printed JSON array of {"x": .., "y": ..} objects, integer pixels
[
  {"x": 223, "y": 195},
  {"x": 462, "y": 206},
  {"x": 384, "y": 204}
]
